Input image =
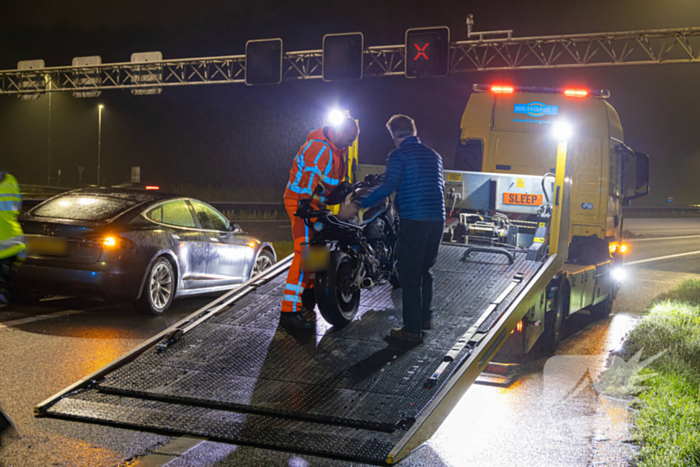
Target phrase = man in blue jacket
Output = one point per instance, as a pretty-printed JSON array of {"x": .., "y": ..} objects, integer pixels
[{"x": 415, "y": 172}]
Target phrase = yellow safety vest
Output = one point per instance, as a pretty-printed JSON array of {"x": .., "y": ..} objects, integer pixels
[{"x": 11, "y": 237}]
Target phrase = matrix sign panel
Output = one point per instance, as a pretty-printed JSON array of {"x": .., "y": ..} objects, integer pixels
[
  {"x": 343, "y": 56},
  {"x": 263, "y": 62},
  {"x": 427, "y": 52}
]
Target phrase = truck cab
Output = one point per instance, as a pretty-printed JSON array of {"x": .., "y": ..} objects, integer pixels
[{"x": 509, "y": 129}]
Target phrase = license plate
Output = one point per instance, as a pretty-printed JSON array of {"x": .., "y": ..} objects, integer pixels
[
  {"x": 522, "y": 199},
  {"x": 46, "y": 246},
  {"x": 316, "y": 258}
]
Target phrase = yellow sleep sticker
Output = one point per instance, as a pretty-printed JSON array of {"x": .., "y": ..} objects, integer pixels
[
  {"x": 542, "y": 224},
  {"x": 538, "y": 240},
  {"x": 453, "y": 177},
  {"x": 520, "y": 183}
]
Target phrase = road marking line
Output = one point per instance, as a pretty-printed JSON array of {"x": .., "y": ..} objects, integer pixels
[
  {"x": 661, "y": 238},
  {"x": 170, "y": 452},
  {"x": 660, "y": 258},
  {"x": 19, "y": 322}
]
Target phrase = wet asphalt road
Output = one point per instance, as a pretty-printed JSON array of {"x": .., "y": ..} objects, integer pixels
[{"x": 490, "y": 426}]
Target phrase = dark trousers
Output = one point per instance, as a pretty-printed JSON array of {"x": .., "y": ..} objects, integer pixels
[
  {"x": 7, "y": 266},
  {"x": 417, "y": 251}
]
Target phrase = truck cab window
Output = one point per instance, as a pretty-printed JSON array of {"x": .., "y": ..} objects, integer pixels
[{"x": 470, "y": 155}]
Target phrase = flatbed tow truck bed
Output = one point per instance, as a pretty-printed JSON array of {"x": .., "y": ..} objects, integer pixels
[{"x": 234, "y": 376}]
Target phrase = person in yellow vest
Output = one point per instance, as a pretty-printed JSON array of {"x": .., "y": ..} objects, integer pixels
[{"x": 12, "y": 248}]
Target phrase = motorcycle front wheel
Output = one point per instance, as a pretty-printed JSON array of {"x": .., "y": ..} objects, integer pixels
[{"x": 337, "y": 298}]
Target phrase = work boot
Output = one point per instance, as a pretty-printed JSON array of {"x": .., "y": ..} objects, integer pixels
[
  {"x": 405, "y": 337},
  {"x": 308, "y": 313},
  {"x": 308, "y": 299},
  {"x": 297, "y": 321}
]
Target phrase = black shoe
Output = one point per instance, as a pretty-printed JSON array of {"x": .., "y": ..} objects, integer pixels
[
  {"x": 296, "y": 321},
  {"x": 308, "y": 299},
  {"x": 428, "y": 325},
  {"x": 405, "y": 337}
]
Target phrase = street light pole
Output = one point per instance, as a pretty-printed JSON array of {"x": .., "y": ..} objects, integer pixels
[
  {"x": 48, "y": 171},
  {"x": 99, "y": 141}
]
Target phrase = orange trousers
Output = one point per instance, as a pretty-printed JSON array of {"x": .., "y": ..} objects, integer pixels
[{"x": 297, "y": 278}]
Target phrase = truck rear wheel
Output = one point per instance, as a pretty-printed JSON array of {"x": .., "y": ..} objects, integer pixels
[
  {"x": 556, "y": 318},
  {"x": 338, "y": 299},
  {"x": 602, "y": 310}
]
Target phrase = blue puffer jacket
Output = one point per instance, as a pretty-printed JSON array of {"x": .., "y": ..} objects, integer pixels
[{"x": 415, "y": 172}]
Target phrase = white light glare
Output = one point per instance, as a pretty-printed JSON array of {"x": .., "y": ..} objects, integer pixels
[
  {"x": 335, "y": 116},
  {"x": 619, "y": 274},
  {"x": 562, "y": 131}
]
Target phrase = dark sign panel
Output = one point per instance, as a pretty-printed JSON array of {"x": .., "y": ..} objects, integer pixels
[
  {"x": 427, "y": 52},
  {"x": 342, "y": 56},
  {"x": 263, "y": 62}
]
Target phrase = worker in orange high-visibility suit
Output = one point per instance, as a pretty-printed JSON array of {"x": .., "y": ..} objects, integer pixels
[{"x": 318, "y": 169}]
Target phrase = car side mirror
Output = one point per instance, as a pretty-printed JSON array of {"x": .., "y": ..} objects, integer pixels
[{"x": 235, "y": 228}]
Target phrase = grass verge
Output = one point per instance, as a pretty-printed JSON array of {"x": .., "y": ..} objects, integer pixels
[{"x": 667, "y": 423}]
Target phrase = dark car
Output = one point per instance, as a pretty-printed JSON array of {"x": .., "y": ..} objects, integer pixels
[{"x": 133, "y": 245}]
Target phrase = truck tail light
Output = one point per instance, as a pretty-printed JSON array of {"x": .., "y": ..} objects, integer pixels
[
  {"x": 497, "y": 89},
  {"x": 575, "y": 93},
  {"x": 618, "y": 247}
]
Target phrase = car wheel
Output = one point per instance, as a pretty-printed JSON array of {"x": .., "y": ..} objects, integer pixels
[
  {"x": 263, "y": 262},
  {"x": 159, "y": 289}
]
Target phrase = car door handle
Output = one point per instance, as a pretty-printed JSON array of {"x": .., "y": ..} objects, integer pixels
[{"x": 213, "y": 239}]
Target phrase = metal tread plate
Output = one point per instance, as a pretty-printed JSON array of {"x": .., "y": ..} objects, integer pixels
[
  {"x": 240, "y": 361},
  {"x": 227, "y": 426}
]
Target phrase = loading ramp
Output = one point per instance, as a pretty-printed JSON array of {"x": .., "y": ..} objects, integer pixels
[{"x": 230, "y": 374}]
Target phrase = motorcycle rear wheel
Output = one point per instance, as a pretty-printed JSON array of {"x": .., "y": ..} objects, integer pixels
[{"x": 335, "y": 297}]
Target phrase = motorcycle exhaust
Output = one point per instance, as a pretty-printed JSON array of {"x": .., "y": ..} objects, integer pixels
[{"x": 367, "y": 283}]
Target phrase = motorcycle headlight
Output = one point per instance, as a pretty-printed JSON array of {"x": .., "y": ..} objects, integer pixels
[{"x": 318, "y": 226}]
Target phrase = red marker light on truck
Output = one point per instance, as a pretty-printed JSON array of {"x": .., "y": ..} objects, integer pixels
[
  {"x": 575, "y": 93},
  {"x": 152, "y": 187},
  {"x": 502, "y": 89}
]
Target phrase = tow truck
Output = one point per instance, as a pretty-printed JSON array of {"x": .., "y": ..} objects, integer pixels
[{"x": 534, "y": 235}]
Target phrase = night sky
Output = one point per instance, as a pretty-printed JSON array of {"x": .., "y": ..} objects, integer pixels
[{"x": 232, "y": 142}]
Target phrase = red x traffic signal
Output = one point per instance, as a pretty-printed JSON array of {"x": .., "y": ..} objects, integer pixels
[{"x": 427, "y": 52}]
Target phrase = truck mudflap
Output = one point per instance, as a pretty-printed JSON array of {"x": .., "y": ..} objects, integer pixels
[{"x": 232, "y": 375}]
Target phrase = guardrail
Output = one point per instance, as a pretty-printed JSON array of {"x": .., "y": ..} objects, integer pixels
[
  {"x": 262, "y": 210},
  {"x": 252, "y": 210},
  {"x": 661, "y": 211}
]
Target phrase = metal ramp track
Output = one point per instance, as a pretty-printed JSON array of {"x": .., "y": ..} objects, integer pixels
[{"x": 235, "y": 377}]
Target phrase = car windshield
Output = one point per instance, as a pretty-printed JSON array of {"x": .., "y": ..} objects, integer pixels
[{"x": 84, "y": 207}]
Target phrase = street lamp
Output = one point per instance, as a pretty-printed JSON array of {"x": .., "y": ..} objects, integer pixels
[{"x": 99, "y": 140}]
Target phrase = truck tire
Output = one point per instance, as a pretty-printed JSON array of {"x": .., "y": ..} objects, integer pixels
[
  {"x": 159, "y": 290},
  {"x": 554, "y": 320},
  {"x": 338, "y": 305},
  {"x": 602, "y": 310}
]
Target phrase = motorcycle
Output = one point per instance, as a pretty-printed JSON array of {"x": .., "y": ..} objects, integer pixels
[{"x": 349, "y": 256}]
